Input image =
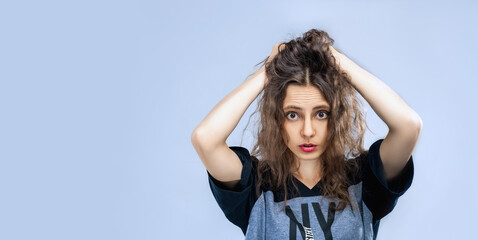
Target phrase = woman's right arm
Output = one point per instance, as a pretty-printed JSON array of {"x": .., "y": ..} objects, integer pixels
[{"x": 209, "y": 137}]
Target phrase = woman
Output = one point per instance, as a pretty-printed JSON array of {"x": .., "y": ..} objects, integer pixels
[{"x": 308, "y": 176}]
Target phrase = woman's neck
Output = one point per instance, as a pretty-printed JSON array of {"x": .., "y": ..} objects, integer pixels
[{"x": 309, "y": 170}]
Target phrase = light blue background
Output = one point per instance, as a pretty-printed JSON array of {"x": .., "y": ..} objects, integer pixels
[{"x": 98, "y": 100}]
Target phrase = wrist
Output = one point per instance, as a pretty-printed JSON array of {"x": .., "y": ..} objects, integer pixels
[{"x": 343, "y": 62}]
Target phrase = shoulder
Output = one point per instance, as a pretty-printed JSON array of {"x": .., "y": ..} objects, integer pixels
[
  {"x": 355, "y": 167},
  {"x": 251, "y": 165}
]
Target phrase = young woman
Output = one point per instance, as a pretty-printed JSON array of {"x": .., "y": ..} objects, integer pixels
[{"x": 308, "y": 176}]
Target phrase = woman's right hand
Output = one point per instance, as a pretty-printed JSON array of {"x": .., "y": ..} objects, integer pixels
[
  {"x": 209, "y": 137},
  {"x": 275, "y": 50}
]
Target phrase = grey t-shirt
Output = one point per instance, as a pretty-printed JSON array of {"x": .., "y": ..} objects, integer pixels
[{"x": 308, "y": 215}]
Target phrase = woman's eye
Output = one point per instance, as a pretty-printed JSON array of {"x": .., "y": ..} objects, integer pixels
[
  {"x": 292, "y": 115},
  {"x": 322, "y": 114}
]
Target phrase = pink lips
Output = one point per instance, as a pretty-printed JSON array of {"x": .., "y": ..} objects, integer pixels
[{"x": 309, "y": 148}]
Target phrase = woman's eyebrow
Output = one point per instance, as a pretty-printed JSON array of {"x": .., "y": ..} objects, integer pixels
[{"x": 299, "y": 108}]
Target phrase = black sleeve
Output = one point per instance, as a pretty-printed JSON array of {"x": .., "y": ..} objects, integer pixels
[
  {"x": 381, "y": 195},
  {"x": 237, "y": 203}
]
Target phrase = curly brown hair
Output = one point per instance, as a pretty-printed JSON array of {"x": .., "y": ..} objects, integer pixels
[{"x": 306, "y": 61}]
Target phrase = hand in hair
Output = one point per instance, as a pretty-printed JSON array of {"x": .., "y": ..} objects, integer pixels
[
  {"x": 275, "y": 50},
  {"x": 334, "y": 51}
]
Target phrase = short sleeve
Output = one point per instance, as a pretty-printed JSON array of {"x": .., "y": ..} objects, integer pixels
[
  {"x": 237, "y": 203},
  {"x": 381, "y": 195}
]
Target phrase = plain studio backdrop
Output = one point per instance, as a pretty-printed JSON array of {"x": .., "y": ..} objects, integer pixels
[{"x": 98, "y": 100}]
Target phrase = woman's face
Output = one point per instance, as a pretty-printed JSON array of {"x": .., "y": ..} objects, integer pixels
[{"x": 306, "y": 116}]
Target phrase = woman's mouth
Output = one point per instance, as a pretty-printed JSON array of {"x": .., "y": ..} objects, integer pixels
[{"x": 308, "y": 147}]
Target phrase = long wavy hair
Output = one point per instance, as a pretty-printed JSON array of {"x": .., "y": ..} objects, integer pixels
[{"x": 304, "y": 61}]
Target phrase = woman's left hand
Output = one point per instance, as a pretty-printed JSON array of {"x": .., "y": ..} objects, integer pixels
[
  {"x": 334, "y": 51},
  {"x": 337, "y": 55}
]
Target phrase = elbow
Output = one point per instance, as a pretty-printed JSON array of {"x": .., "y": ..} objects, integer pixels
[
  {"x": 411, "y": 126},
  {"x": 201, "y": 140},
  {"x": 415, "y": 125},
  {"x": 196, "y": 141},
  {"x": 413, "y": 121},
  {"x": 196, "y": 138},
  {"x": 417, "y": 122}
]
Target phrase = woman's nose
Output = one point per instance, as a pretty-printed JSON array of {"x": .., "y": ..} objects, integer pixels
[{"x": 308, "y": 130}]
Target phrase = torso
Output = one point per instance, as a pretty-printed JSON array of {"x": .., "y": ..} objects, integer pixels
[{"x": 308, "y": 182}]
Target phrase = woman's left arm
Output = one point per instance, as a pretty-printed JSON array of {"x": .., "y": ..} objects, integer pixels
[{"x": 403, "y": 122}]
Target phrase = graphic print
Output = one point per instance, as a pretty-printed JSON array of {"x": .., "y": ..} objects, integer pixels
[{"x": 304, "y": 228}]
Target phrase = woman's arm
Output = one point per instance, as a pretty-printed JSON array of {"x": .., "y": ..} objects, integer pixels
[
  {"x": 403, "y": 122},
  {"x": 209, "y": 137},
  {"x": 224, "y": 117}
]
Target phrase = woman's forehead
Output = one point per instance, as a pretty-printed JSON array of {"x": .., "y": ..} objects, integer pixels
[{"x": 305, "y": 96}]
